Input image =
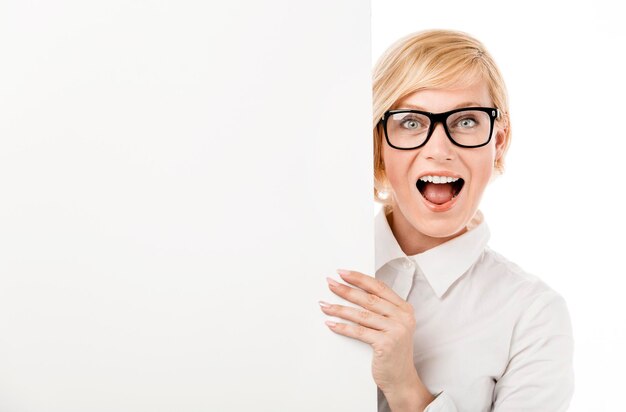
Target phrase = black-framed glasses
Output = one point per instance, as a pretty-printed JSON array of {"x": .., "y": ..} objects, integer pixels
[{"x": 408, "y": 129}]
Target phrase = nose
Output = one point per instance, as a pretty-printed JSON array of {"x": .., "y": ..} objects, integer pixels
[{"x": 438, "y": 147}]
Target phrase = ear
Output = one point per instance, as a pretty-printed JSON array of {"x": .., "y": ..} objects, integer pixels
[{"x": 502, "y": 140}]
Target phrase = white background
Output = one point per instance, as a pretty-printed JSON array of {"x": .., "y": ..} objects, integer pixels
[
  {"x": 558, "y": 211},
  {"x": 177, "y": 179}
]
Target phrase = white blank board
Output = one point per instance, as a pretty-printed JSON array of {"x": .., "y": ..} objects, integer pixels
[{"x": 177, "y": 179}]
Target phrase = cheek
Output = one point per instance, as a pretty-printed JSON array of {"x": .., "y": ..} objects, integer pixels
[
  {"x": 483, "y": 162},
  {"x": 397, "y": 166},
  {"x": 483, "y": 170}
]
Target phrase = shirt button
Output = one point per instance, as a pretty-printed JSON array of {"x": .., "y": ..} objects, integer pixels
[{"x": 407, "y": 263}]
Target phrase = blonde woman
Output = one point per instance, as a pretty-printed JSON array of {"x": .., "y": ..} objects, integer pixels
[{"x": 454, "y": 326}]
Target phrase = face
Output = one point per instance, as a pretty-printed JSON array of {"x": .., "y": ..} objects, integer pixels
[{"x": 415, "y": 218}]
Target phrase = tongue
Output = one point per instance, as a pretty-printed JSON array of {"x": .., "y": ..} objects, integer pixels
[{"x": 438, "y": 193}]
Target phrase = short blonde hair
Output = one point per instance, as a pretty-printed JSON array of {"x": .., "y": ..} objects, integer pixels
[{"x": 431, "y": 59}]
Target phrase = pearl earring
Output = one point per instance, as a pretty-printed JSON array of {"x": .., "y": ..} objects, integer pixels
[{"x": 383, "y": 194}]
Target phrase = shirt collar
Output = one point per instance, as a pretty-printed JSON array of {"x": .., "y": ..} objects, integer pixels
[
  {"x": 441, "y": 265},
  {"x": 386, "y": 245}
]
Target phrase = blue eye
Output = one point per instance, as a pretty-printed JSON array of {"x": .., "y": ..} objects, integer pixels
[
  {"x": 411, "y": 124},
  {"x": 465, "y": 123}
]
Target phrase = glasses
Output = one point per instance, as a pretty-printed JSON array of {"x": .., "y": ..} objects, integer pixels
[{"x": 407, "y": 129}]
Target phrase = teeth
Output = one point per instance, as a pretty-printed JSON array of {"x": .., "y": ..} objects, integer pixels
[{"x": 438, "y": 179}]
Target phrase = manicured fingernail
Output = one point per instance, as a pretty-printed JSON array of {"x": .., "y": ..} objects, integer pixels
[
  {"x": 332, "y": 282},
  {"x": 330, "y": 324},
  {"x": 324, "y": 304},
  {"x": 343, "y": 272}
]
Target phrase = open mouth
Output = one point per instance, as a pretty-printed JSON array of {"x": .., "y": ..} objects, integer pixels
[{"x": 439, "y": 189}]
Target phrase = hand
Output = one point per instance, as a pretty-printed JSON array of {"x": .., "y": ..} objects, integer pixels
[{"x": 387, "y": 323}]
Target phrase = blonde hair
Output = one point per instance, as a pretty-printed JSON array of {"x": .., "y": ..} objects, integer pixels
[{"x": 431, "y": 59}]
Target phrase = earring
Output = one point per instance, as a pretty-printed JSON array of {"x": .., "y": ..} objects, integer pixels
[{"x": 382, "y": 194}]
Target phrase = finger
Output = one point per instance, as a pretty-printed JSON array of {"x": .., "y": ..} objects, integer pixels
[
  {"x": 371, "y": 285},
  {"x": 358, "y": 332},
  {"x": 364, "y": 299},
  {"x": 356, "y": 315}
]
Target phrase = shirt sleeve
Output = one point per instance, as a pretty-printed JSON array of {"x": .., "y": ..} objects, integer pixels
[
  {"x": 442, "y": 403},
  {"x": 539, "y": 375}
]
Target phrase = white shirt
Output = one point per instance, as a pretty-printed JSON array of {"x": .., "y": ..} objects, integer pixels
[{"x": 489, "y": 336}]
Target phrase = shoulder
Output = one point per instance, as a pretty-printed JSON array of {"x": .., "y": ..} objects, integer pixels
[
  {"x": 513, "y": 282},
  {"x": 536, "y": 310},
  {"x": 526, "y": 294}
]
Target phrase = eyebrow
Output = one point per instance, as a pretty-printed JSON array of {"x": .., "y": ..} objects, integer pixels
[{"x": 416, "y": 107}]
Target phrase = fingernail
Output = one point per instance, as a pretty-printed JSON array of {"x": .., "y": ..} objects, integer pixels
[
  {"x": 343, "y": 271},
  {"x": 324, "y": 304},
  {"x": 332, "y": 282},
  {"x": 330, "y": 324}
]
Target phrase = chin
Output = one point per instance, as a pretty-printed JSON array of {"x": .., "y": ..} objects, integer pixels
[{"x": 441, "y": 228}]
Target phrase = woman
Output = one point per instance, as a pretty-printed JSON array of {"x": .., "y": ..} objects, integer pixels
[{"x": 453, "y": 325}]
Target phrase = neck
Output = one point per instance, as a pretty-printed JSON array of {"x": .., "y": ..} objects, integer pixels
[{"x": 411, "y": 240}]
